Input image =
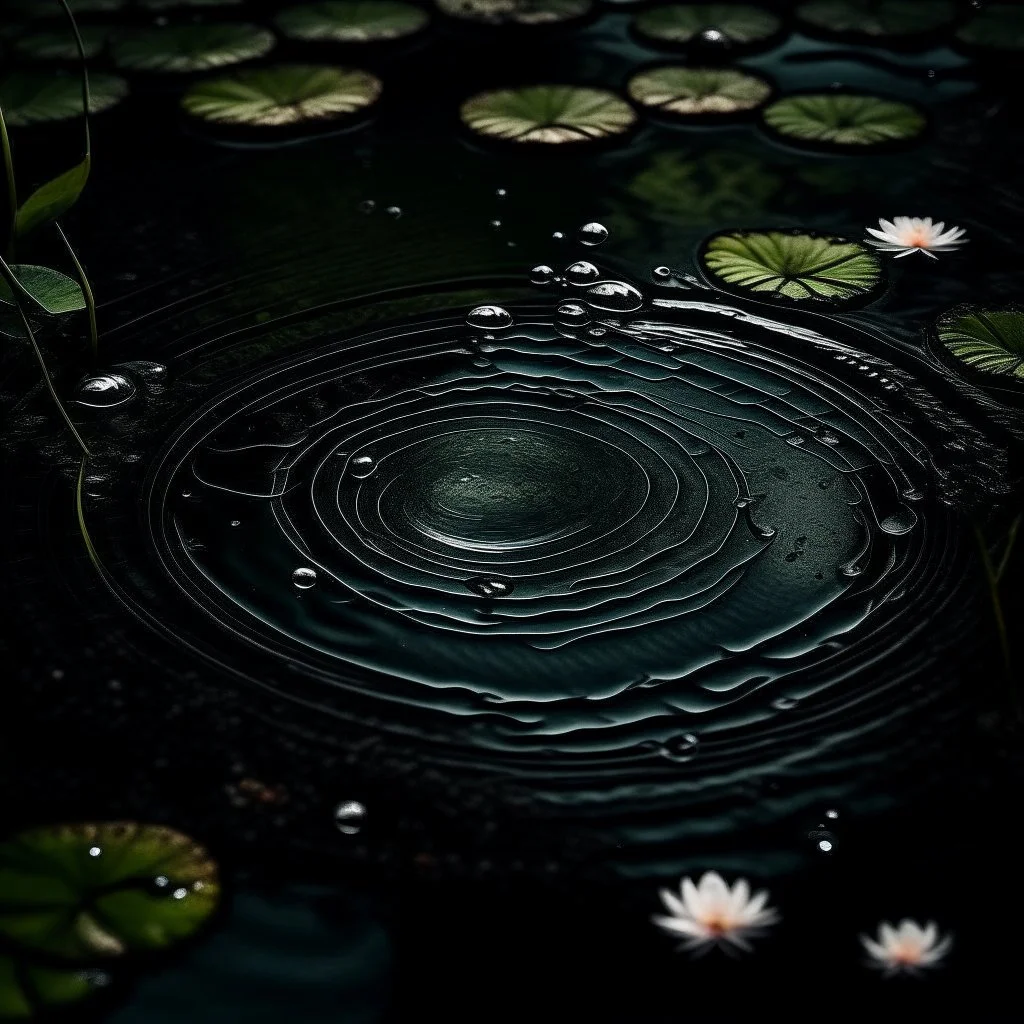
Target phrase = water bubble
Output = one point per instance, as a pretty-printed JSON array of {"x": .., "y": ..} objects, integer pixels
[
  {"x": 592, "y": 233},
  {"x": 489, "y": 586},
  {"x": 573, "y": 313},
  {"x": 662, "y": 272},
  {"x": 496, "y": 224},
  {"x": 394, "y": 211},
  {"x": 367, "y": 206},
  {"x": 680, "y": 748},
  {"x": 615, "y": 296},
  {"x": 899, "y": 523},
  {"x": 557, "y": 235},
  {"x": 489, "y": 318},
  {"x": 501, "y": 192},
  {"x": 362, "y": 466},
  {"x": 349, "y": 817},
  {"x": 236, "y": 522},
  {"x": 304, "y": 578},
  {"x": 784, "y": 703},
  {"x": 832, "y": 813},
  {"x": 95, "y": 851},
  {"x": 581, "y": 272},
  {"x": 713, "y": 40},
  {"x": 180, "y": 893},
  {"x": 597, "y": 332},
  {"x": 824, "y": 840},
  {"x": 103, "y": 390},
  {"x": 542, "y": 274}
]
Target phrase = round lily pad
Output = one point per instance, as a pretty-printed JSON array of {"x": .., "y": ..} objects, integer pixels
[
  {"x": 990, "y": 340},
  {"x": 516, "y": 12},
  {"x": 736, "y": 25},
  {"x": 282, "y": 96},
  {"x": 352, "y": 21},
  {"x": 995, "y": 27},
  {"x": 55, "y": 45},
  {"x": 35, "y": 97},
  {"x": 799, "y": 268},
  {"x": 877, "y": 19},
  {"x": 190, "y": 48},
  {"x": 549, "y": 115},
  {"x": 849, "y": 121},
  {"x": 85, "y": 892},
  {"x": 698, "y": 92},
  {"x": 28, "y": 989}
]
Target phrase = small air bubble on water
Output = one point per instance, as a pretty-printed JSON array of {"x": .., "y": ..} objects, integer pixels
[
  {"x": 573, "y": 313},
  {"x": 501, "y": 193},
  {"x": 103, "y": 390},
  {"x": 581, "y": 272},
  {"x": 95, "y": 851},
  {"x": 557, "y": 235},
  {"x": 614, "y": 296},
  {"x": 367, "y": 206},
  {"x": 304, "y": 578},
  {"x": 490, "y": 318},
  {"x": 496, "y": 224},
  {"x": 349, "y": 817},
  {"x": 784, "y": 703},
  {"x": 542, "y": 274},
  {"x": 362, "y": 466},
  {"x": 394, "y": 211},
  {"x": 488, "y": 586},
  {"x": 662, "y": 272},
  {"x": 680, "y": 748},
  {"x": 592, "y": 233}
]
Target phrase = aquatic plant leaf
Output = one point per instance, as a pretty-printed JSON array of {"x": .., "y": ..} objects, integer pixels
[
  {"x": 995, "y": 27},
  {"x": 878, "y": 18},
  {"x": 801, "y": 268},
  {"x": 52, "y": 291},
  {"x": 516, "y": 12},
  {"x": 35, "y": 97},
  {"x": 94, "y": 891},
  {"x": 696, "y": 91},
  {"x": 26, "y": 988},
  {"x": 54, "y": 45},
  {"x": 283, "y": 95},
  {"x": 52, "y": 199},
  {"x": 987, "y": 339},
  {"x": 843, "y": 119},
  {"x": 740, "y": 24},
  {"x": 188, "y": 48},
  {"x": 548, "y": 114},
  {"x": 352, "y": 21}
]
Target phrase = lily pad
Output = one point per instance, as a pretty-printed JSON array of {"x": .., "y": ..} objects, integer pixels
[
  {"x": 877, "y": 19},
  {"x": 352, "y": 21},
  {"x": 698, "y": 92},
  {"x": 36, "y": 97},
  {"x": 844, "y": 120},
  {"x": 54, "y": 45},
  {"x": 87, "y": 892},
  {"x": 189, "y": 48},
  {"x": 990, "y": 340},
  {"x": 549, "y": 115},
  {"x": 739, "y": 25},
  {"x": 276, "y": 97},
  {"x": 26, "y": 989},
  {"x": 53, "y": 291},
  {"x": 995, "y": 27},
  {"x": 516, "y": 12},
  {"x": 806, "y": 269}
]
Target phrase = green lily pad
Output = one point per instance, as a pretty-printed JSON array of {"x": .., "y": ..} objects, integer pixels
[
  {"x": 280, "y": 96},
  {"x": 877, "y": 19},
  {"x": 189, "y": 48},
  {"x": 53, "y": 291},
  {"x": 35, "y": 97},
  {"x": 27, "y": 989},
  {"x": 698, "y": 92},
  {"x": 86, "y": 892},
  {"x": 550, "y": 115},
  {"x": 807, "y": 269},
  {"x": 995, "y": 27},
  {"x": 844, "y": 120},
  {"x": 991, "y": 340},
  {"x": 516, "y": 12},
  {"x": 678, "y": 24},
  {"x": 352, "y": 21},
  {"x": 54, "y": 45}
]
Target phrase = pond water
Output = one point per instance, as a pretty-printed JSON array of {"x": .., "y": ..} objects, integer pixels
[{"x": 460, "y": 558}]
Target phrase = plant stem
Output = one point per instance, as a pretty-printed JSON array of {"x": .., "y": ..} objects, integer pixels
[
  {"x": 1011, "y": 539},
  {"x": 85, "y": 74},
  {"x": 90, "y": 300},
  {"x": 12, "y": 187}
]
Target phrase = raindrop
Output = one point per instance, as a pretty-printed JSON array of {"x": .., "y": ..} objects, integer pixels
[
  {"x": 496, "y": 224},
  {"x": 592, "y": 233},
  {"x": 489, "y": 318},
  {"x": 573, "y": 314},
  {"x": 784, "y": 703},
  {"x": 899, "y": 523},
  {"x": 349, "y": 816},
  {"x": 104, "y": 390},
  {"x": 394, "y": 211},
  {"x": 662, "y": 272},
  {"x": 95, "y": 851},
  {"x": 542, "y": 274},
  {"x": 488, "y": 586},
  {"x": 615, "y": 296},
  {"x": 597, "y": 332},
  {"x": 501, "y": 193},
  {"x": 304, "y": 578},
  {"x": 832, "y": 813},
  {"x": 557, "y": 236},
  {"x": 581, "y": 273},
  {"x": 367, "y": 206},
  {"x": 236, "y": 522},
  {"x": 680, "y": 748},
  {"x": 362, "y": 466}
]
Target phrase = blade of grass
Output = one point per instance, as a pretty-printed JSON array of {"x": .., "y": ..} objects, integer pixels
[
  {"x": 80, "y": 515},
  {"x": 83, "y": 281},
  {"x": 12, "y": 187}
]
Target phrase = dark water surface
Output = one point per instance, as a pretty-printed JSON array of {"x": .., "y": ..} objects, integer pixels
[{"x": 547, "y": 614}]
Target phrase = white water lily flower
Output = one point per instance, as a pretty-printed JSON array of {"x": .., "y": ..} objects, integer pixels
[
  {"x": 904, "y": 235},
  {"x": 907, "y": 948},
  {"x": 711, "y": 914}
]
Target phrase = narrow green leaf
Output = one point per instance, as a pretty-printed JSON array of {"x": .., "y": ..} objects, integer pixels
[
  {"x": 53, "y": 199},
  {"x": 52, "y": 291}
]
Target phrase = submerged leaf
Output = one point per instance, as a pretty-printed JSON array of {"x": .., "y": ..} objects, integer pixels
[
  {"x": 995, "y": 27},
  {"x": 52, "y": 291},
  {"x": 878, "y": 18},
  {"x": 26, "y": 988},
  {"x": 844, "y": 119},
  {"x": 991, "y": 340},
  {"x": 54, "y": 45},
  {"x": 548, "y": 114},
  {"x": 53, "y": 199},
  {"x": 190, "y": 48},
  {"x": 698, "y": 91},
  {"x": 34, "y": 97},
  {"x": 282, "y": 96},
  {"x": 516, "y": 12},
  {"x": 800, "y": 268},
  {"x": 93, "y": 891},
  {"x": 352, "y": 21},
  {"x": 739, "y": 24}
]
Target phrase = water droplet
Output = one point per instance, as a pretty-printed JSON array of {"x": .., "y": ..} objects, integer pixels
[
  {"x": 573, "y": 314},
  {"x": 394, "y": 211},
  {"x": 597, "y": 332},
  {"x": 662, "y": 272},
  {"x": 161, "y": 881},
  {"x": 592, "y": 233},
  {"x": 615, "y": 296},
  {"x": 824, "y": 840},
  {"x": 501, "y": 192},
  {"x": 95, "y": 851},
  {"x": 98, "y": 979},
  {"x": 542, "y": 274},
  {"x": 489, "y": 586},
  {"x": 367, "y": 206},
  {"x": 832, "y": 813},
  {"x": 899, "y": 523},
  {"x": 104, "y": 390},
  {"x": 349, "y": 817},
  {"x": 180, "y": 893},
  {"x": 304, "y": 578},
  {"x": 784, "y": 703},
  {"x": 489, "y": 318},
  {"x": 557, "y": 235},
  {"x": 680, "y": 748},
  {"x": 581, "y": 273},
  {"x": 362, "y": 466},
  {"x": 714, "y": 39},
  {"x": 496, "y": 224}
]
